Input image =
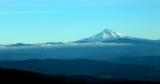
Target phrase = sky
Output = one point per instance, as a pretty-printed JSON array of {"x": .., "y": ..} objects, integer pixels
[{"x": 38, "y": 21}]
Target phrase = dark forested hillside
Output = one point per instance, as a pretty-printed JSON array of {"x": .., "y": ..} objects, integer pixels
[
  {"x": 20, "y": 77},
  {"x": 86, "y": 67}
]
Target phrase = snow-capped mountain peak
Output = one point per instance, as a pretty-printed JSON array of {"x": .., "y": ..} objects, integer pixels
[
  {"x": 109, "y": 36},
  {"x": 106, "y": 34}
]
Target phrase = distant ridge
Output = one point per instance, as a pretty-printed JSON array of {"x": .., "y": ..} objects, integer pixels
[{"x": 106, "y": 36}]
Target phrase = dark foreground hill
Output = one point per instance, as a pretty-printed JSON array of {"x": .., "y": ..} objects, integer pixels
[
  {"x": 94, "y": 68},
  {"x": 17, "y": 76}
]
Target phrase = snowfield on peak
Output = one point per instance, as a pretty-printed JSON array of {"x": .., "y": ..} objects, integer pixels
[{"x": 105, "y": 35}]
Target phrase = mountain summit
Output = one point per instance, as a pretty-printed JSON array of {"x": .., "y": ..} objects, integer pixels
[
  {"x": 108, "y": 34},
  {"x": 105, "y": 35}
]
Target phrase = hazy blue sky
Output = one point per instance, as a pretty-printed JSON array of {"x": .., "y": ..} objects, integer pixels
[{"x": 36, "y": 21}]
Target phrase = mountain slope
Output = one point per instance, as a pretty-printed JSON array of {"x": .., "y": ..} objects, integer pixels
[{"x": 131, "y": 41}]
